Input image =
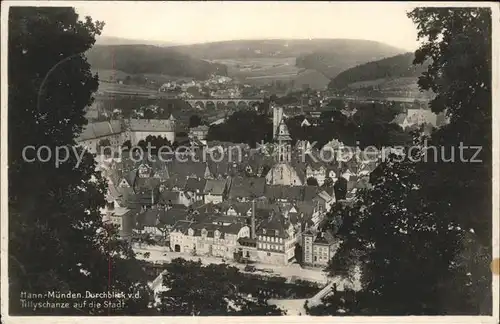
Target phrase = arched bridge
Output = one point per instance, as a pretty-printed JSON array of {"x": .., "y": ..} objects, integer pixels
[{"x": 204, "y": 103}]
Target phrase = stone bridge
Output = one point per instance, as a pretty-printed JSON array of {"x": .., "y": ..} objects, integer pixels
[{"x": 203, "y": 103}]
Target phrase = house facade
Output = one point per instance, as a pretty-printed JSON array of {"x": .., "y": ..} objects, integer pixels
[{"x": 318, "y": 248}]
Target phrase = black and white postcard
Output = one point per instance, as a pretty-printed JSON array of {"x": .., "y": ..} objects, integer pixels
[{"x": 305, "y": 160}]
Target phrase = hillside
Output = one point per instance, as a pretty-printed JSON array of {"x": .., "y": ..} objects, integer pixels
[
  {"x": 112, "y": 40},
  {"x": 284, "y": 48},
  {"x": 398, "y": 69},
  {"x": 345, "y": 54},
  {"x": 148, "y": 59}
]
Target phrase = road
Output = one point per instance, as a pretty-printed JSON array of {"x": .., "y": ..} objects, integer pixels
[{"x": 294, "y": 270}]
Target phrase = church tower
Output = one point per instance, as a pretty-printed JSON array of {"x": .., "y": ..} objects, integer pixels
[
  {"x": 284, "y": 143},
  {"x": 277, "y": 117}
]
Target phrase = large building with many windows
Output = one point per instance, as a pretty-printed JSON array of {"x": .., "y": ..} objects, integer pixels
[{"x": 115, "y": 132}]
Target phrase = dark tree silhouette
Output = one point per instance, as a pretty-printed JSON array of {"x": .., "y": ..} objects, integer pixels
[
  {"x": 57, "y": 240},
  {"x": 311, "y": 181},
  {"x": 418, "y": 212},
  {"x": 340, "y": 188},
  {"x": 194, "y": 121}
]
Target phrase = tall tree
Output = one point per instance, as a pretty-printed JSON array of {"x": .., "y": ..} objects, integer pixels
[
  {"x": 420, "y": 213},
  {"x": 194, "y": 121},
  {"x": 57, "y": 241}
]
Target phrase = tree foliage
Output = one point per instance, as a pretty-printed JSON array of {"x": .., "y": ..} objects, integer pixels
[
  {"x": 371, "y": 125},
  {"x": 392, "y": 67},
  {"x": 194, "y": 121},
  {"x": 57, "y": 241},
  {"x": 245, "y": 126},
  {"x": 422, "y": 234},
  {"x": 211, "y": 290}
]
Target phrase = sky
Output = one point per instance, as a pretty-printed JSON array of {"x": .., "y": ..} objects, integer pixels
[{"x": 200, "y": 22}]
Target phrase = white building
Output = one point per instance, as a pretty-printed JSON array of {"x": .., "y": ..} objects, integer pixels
[{"x": 117, "y": 132}]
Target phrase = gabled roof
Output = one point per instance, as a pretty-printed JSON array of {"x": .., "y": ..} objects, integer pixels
[
  {"x": 100, "y": 129},
  {"x": 171, "y": 216},
  {"x": 244, "y": 187},
  {"x": 214, "y": 187},
  {"x": 240, "y": 207},
  {"x": 182, "y": 226},
  {"x": 275, "y": 226},
  {"x": 305, "y": 207},
  {"x": 324, "y": 238},
  {"x": 195, "y": 185}
]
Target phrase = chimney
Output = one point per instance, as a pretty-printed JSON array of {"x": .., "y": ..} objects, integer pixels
[{"x": 253, "y": 219}]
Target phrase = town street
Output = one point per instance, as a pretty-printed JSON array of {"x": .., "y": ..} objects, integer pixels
[{"x": 292, "y": 271}]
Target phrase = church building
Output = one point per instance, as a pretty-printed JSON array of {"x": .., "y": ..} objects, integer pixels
[{"x": 283, "y": 171}]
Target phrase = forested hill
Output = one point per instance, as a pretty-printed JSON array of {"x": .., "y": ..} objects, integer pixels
[
  {"x": 368, "y": 50},
  {"x": 399, "y": 66},
  {"x": 144, "y": 59},
  {"x": 343, "y": 54}
]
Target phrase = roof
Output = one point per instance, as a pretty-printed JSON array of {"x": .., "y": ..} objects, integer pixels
[
  {"x": 215, "y": 187},
  {"x": 183, "y": 170},
  {"x": 399, "y": 119},
  {"x": 244, "y": 187},
  {"x": 305, "y": 207},
  {"x": 325, "y": 238},
  {"x": 146, "y": 184},
  {"x": 171, "y": 216},
  {"x": 310, "y": 192},
  {"x": 152, "y": 125},
  {"x": 168, "y": 196},
  {"x": 275, "y": 192},
  {"x": 100, "y": 129},
  {"x": 275, "y": 226},
  {"x": 195, "y": 185},
  {"x": 325, "y": 196},
  {"x": 182, "y": 226},
  {"x": 240, "y": 207}
]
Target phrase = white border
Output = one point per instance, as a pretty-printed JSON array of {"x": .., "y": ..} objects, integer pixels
[{"x": 229, "y": 319}]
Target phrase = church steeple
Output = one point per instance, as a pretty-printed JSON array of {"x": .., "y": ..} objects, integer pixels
[
  {"x": 277, "y": 118},
  {"x": 284, "y": 142}
]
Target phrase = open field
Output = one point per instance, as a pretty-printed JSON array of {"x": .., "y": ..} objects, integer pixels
[
  {"x": 107, "y": 87},
  {"x": 259, "y": 67},
  {"x": 113, "y": 75}
]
